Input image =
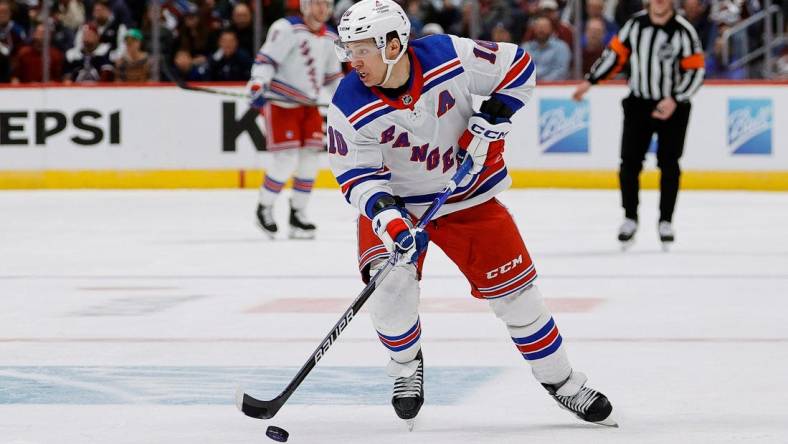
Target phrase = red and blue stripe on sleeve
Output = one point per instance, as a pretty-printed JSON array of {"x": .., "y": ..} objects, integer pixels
[{"x": 351, "y": 179}]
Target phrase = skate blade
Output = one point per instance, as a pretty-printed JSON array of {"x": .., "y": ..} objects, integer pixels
[
  {"x": 271, "y": 235},
  {"x": 608, "y": 422},
  {"x": 297, "y": 233},
  {"x": 410, "y": 423},
  {"x": 666, "y": 246},
  {"x": 626, "y": 245}
]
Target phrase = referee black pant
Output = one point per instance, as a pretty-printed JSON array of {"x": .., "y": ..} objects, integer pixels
[{"x": 639, "y": 126}]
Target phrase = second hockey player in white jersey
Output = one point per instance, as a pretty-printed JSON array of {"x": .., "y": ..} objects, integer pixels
[
  {"x": 296, "y": 62},
  {"x": 398, "y": 126}
]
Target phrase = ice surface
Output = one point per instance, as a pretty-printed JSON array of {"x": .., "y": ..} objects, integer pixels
[{"x": 131, "y": 317}]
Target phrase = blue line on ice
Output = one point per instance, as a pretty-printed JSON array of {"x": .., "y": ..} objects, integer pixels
[{"x": 216, "y": 385}]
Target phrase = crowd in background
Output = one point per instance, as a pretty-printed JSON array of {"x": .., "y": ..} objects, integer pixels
[{"x": 213, "y": 40}]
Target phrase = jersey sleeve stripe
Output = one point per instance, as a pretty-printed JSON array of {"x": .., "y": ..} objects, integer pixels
[
  {"x": 372, "y": 116},
  {"x": 331, "y": 77},
  {"x": 265, "y": 59},
  {"x": 451, "y": 64},
  {"x": 286, "y": 90},
  {"x": 366, "y": 110},
  {"x": 357, "y": 173},
  {"x": 520, "y": 68}
]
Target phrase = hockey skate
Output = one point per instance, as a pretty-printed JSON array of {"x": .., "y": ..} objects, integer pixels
[
  {"x": 585, "y": 402},
  {"x": 666, "y": 235},
  {"x": 300, "y": 227},
  {"x": 408, "y": 394},
  {"x": 265, "y": 220},
  {"x": 626, "y": 233}
]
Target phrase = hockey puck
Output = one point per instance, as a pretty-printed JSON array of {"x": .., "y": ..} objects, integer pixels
[{"x": 277, "y": 434}]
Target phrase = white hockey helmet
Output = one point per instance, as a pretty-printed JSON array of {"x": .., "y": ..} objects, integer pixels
[
  {"x": 304, "y": 5},
  {"x": 373, "y": 19}
]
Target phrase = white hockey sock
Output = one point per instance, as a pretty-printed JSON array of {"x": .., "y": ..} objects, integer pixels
[
  {"x": 282, "y": 165},
  {"x": 535, "y": 334},
  {"x": 394, "y": 312},
  {"x": 304, "y": 177}
]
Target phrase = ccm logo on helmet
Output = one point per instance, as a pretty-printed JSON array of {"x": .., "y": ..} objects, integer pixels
[
  {"x": 505, "y": 268},
  {"x": 488, "y": 134}
]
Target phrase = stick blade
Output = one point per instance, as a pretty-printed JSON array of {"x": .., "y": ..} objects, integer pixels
[{"x": 255, "y": 408}]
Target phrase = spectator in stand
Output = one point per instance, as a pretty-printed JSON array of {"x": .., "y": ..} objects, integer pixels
[
  {"x": 715, "y": 63},
  {"x": 550, "y": 54},
  {"x": 243, "y": 27},
  {"x": 444, "y": 13},
  {"x": 593, "y": 42},
  {"x": 134, "y": 65},
  {"x": 431, "y": 29},
  {"x": 12, "y": 35},
  {"x": 60, "y": 36},
  {"x": 185, "y": 68},
  {"x": 697, "y": 13},
  {"x": 726, "y": 14},
  {"x": 111, "y": 31},
  {"x": 625, "y": 9},
  {"x": 489, "y": 14},
  {"x": 20, "y": 10},
  {"x": 71, "y": 13},
  {"x": 29, "y": 62},
  {"x": 230, "y": 63},
  {"x": 88, "y": 63},
  {"x": 166, "y": 38},
  {"x": 416, "y": 11},
  {"x": 595, "y": 9},
  {"x": 501, "y": 33},
  {"x": 195, "y": 34},
  {"x": 5, "y": 64},
  {"x": 549, "y": 9}
]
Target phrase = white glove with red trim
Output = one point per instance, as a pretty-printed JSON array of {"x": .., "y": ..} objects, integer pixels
[
  {"x": 483, "y": 140},
  {"x": 393, "y": 227},
  {"x": 256, "y": 91}
]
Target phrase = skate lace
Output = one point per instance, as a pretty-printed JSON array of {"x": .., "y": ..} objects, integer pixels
[
  {"x": 665, "y": 229},
  {"x": 581, "y": 400},
  {"x": 409, "y": 386},
  {"x": 268, "y": 215},
  {"x": 628, "y": 227},
  {"x": 301, "y": 217}
]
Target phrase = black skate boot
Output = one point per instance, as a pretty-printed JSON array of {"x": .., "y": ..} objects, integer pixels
[
  {"x": 585, "y": 402},
  {"x": 626, "y": 233},
  {"x": 408, "y": 390},
  {"x": 300, "y": 227},
  {"x": 666, "y": 234},
  {"x": 265, "y": 220}
]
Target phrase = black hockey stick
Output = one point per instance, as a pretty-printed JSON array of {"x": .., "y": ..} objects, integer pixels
[
  {"x": 182, "y": 84},
  {"x": 257, "y": 408}
]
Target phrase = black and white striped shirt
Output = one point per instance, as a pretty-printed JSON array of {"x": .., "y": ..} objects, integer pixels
[{"x": 663, "y": 60}]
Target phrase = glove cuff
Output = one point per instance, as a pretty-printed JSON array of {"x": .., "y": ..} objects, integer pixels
[
  {"x": 465, "y": 139},
  {"x": 389, "y": 223}
]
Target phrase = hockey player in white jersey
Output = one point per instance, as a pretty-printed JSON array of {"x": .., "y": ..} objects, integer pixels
[
  {"x": 295, "y": 63},
  {"x": 397, "y": 127}
]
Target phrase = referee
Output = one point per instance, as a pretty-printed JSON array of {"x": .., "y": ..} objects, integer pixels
[{"x": 665, "y": 64}]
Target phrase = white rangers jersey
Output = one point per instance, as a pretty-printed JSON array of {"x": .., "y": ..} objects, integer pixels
[
  {"x": 296, "y": 63},
  {"x": 407, "y": 146}
]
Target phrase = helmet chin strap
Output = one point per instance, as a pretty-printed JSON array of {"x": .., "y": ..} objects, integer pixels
[{"x": 389, "y": 64}]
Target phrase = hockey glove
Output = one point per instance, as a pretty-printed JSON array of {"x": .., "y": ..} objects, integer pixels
[
  {"x": 256, "y": 91},
  {"x": 395, "y": 229},
  {"x": 483, "y": 140}
]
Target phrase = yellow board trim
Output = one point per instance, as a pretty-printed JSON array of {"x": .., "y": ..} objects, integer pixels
[{"x": 173, "y": 179}]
